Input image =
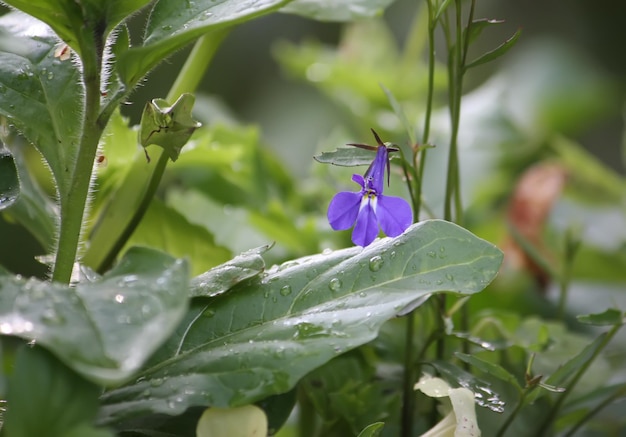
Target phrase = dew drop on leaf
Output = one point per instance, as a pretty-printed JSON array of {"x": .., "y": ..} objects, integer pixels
[
  {"x": 376, "y": 262},
  {"x": 285, "y": 290},
  {"x": 334, "y": 284}
]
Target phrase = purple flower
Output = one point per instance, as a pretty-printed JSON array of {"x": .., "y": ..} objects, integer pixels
[{"x": 368, "y": 207}]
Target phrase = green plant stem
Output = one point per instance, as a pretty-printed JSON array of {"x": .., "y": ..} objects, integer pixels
[
  {"x": 520, "y": 403},
  {"x": 620, "y": 393},
  {"x": 408, "y": 395},
  {"x": 581, "y": 371},
  {"x": 74, "y": 202},
  {"x": 133, "y": 198}
]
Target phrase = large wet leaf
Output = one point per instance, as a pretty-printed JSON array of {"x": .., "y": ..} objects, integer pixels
[
  {"x": 40, "y": 94},
  {"x": 104, "y": 329},
  {"x": 74, "y": 21},
  {"x": 173, "y": 24},
  {"x": 265, "y": 334},
  {"x": 41, "y": 387},
  {"x": 337, "y": 10}
]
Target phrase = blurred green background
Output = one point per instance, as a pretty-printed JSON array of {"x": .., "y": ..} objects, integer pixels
[{"x": 565, "y": 76}]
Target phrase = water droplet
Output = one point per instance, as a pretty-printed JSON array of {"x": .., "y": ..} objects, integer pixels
[
  {"x": 166, "y": 28},
  {"x": 156, "y": 382},
  {"x": 285, "y": 290},
  {"x": 327, "y": 251},
  {"x": 6, "y": 328},
  {"x": 119, "y": 298},
  {"x": 146, "y": 393},
  {"x": 209, "y": 312},
  {"x": 449, "y": 277},
  {"x": 51, "y": 317},
  {"x": 392, "y": 255},
  {"x": 334, "y": 284},
  {"x": 432, "y": 254},
  {"x": 50, "y": 75},
  {"x": 362, "y": 294},
  {"x": 146, "y": 310},
  {"x": 376, "y": 262}
]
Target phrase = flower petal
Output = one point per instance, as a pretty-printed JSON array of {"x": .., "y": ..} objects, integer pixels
[
  {"x": 366, "y": 228},
  {"x": 343, "y": 210},
  {"x": 394, "y": 215},
  {"x": 376, "y": 170}
]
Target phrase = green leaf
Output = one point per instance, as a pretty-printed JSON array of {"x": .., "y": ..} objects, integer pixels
[
  {"x": 168, "y": 126},
  {"x": 478, "y": 26},
  {"x": 231, "y": 350},
  {"x": 39, "y": 94},
  {"x": 489, "y": 368},
  {"x": 348, "y": 395},
  {"x": 172, "y": 24},
  {"x": 47, "y": 398},
  {"x": 346, "y": 157},
  {"x": 497, "y": 52},
  {"x": 611, "y": 316},
  {"x": 373, "y": 430},
  {"x": 222, "y": 278},
  {"x": 337, "y": 10},
  {"x": 9, "y": 182},
  {"x": 165, "y": 229},
  {"x": 105, "y": 329},
  {"x": 442, "y": 8},
  {"x": 560, "y": 377}
]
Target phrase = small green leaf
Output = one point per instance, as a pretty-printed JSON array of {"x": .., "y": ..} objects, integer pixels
[
  {"x": 489, "y": 368},
  {"x": 611, "y": 316},
  {"x": 168, "y": 126},
  {"x": 346, "y": 157},
  {"x": 495, "y": 53},
  {"x": 477, "y": 27},
  {"x": 442, "y": 8},
  {"x": 9, "y": 182},
  {"x": 222, "y": 278},
  {"x": 337, "y": 10},
  {"x": 231, "y": 350},
  {"x": 105, "y": 329},
  {"x": 46, "y": 397},
  {"x": 172, "y": 24},
  {"x": 373, "y": 430}
]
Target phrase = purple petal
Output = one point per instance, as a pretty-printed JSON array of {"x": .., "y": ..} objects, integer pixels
[
  {"x": 376, "y": 170},
  {"x": 366, "y": 228},
  {"x": 359, "y": 180},
  {"x": 394, "y": 215},
  {"x": 343, "y": 210}
]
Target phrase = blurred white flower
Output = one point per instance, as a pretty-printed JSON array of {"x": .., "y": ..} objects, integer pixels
[{"x": 461, "y": 419}]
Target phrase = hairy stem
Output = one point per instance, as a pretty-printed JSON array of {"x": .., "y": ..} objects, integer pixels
[{"x": 74, "y": 202}]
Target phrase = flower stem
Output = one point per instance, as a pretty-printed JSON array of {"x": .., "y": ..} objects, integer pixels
[{"x": 618, "y": 394}]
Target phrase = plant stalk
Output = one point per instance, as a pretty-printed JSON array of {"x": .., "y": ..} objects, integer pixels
[{"x": 74, "y": 201}]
